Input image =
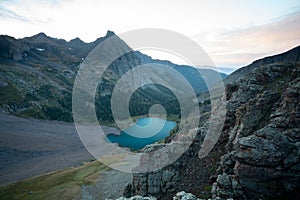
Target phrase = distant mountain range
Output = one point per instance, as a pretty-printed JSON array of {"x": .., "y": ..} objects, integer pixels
[{"x": 37, "y": 75}]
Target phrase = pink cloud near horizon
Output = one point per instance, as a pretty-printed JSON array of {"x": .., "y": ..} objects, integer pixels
[{"x": 241, "y": 47}]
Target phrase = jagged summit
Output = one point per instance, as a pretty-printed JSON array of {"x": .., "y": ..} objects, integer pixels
[
  {"x": 40, "y": 35},
  {"x": 76, "y": 41},
  {"x": 109, "y": 33},
  {"x": 38, "y": 38}
]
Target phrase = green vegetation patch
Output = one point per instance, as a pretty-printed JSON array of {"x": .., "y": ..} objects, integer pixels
[
  {"x": 64, "y": 184},
  {"x": 31, "y": 112},
  {"x": 10, "y": 94}
]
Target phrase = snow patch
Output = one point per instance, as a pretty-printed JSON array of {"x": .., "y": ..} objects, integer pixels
[{"x": 40, "y": 49}]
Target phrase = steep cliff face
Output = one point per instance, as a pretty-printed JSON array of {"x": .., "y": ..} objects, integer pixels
[
  {"x": 189, "y": 173},
  {"x": 258, "y": 153},
  {"x": 262, "y": 152}
]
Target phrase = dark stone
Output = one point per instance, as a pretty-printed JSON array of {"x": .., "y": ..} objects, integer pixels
[{"x": 128, "y": 191}]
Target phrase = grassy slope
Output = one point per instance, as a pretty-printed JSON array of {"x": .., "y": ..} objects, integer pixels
[{"x": 64, "y": 184}]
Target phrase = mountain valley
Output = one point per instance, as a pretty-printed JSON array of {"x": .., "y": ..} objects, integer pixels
[{"x": 256, "y": 156}]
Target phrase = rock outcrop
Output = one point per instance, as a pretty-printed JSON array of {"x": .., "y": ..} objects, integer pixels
[
  {"x": 137, "y": 197},
  {"x": 258, "y": 152},
  {"x": 185, "y": 196},
  {"x": 179, "y": 196},
  {"x": 189, "y": 172},
  {"x": 262, "y": 153}
]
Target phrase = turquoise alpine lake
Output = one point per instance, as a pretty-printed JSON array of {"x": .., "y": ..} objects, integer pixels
[{"x": 145, "y": 131}]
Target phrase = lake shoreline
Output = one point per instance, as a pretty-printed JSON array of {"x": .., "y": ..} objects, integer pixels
[{"x": 146, "y": 131}]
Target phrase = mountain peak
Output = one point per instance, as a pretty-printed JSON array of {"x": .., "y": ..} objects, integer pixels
[
  {"x": 109, "y": 33},
  {"x": 40, "y": 35},
  {"x": 76, "y": 41}
]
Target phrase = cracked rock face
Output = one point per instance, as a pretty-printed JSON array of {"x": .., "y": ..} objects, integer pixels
[
  {"x": 258, "y": 153},
  {"x": 262, "y": 159},
  {"x": 188, "y": 172}
]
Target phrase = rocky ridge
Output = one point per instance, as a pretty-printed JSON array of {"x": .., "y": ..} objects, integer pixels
[
  {"x": 257, "y": 155},
  {"x": 262, "y": 152},
  {"x": 291, "y": 55},
  {"x": 37, "y": 75}
]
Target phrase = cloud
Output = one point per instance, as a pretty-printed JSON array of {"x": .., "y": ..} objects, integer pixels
[
  {"x": 242, "y": 46},
  {"x": 9, "y": 14},
  {"x": 28, "y": 11}
]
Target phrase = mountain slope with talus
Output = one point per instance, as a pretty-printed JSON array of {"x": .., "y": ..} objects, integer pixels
[{"x": 37, "y": 75}]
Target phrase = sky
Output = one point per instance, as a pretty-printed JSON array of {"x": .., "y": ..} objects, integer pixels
[{"x": 233, "y": 33}]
